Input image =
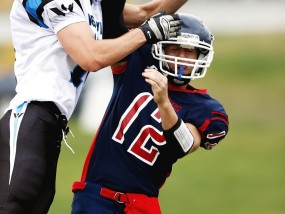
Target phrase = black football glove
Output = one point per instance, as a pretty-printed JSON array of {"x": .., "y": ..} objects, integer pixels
[{"x": 161, "y": 27}]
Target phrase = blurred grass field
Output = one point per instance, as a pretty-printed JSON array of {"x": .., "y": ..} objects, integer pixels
[{"x": 243, "y": 175}]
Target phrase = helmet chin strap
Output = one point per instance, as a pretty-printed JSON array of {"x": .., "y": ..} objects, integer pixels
[{"x": 177, "y": 81}]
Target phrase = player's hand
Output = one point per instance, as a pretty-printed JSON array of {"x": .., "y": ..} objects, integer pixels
[
  {"x": 161, "y": 27},
  {"x": 158, "y": 83}
]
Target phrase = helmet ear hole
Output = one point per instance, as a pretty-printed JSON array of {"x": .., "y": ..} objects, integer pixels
[{"x": 193, "y": 34}]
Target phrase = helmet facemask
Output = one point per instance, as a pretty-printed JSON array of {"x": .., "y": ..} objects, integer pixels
[{"x": 188, "y": 40}]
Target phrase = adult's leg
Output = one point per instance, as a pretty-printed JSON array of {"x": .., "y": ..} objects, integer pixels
[
  {"x": 4, "y": 161},
  {"x": 53, "y": 145},
  {"x": 32, "y": 170}
]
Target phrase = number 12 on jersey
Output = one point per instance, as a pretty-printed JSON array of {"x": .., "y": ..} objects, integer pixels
[{"x": 138, "y": 145}]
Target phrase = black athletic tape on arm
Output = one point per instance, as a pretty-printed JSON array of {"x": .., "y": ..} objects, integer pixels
[{"x": 179, "y": 138}]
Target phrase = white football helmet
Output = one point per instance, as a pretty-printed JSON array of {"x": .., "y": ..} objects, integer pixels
[{"x": 193, "y": 34}]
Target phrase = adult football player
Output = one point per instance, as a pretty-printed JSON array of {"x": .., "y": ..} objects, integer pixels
[
  {"x": 154, "y": 118},
  {"x": 57, "y": 43}
]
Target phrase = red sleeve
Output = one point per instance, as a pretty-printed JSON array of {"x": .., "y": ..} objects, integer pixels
[{"x": 120, "y": 68}]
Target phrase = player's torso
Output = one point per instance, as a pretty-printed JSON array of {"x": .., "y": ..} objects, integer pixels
[
  {"x": 127, "y": 155},
  {"x": 43, "y": 69}
]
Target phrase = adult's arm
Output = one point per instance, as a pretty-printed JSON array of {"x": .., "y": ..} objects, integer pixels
[
  {"x": 135, "y": 15},
  {"x": 169, "y": 118},
  {"x": 92, "y": 55}
]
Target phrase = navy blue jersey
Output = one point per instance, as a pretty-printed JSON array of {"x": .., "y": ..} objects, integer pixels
[{"x": 127, "y": 153}]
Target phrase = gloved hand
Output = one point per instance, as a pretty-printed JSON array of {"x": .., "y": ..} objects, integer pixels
[{"x": 161, "y": 27}]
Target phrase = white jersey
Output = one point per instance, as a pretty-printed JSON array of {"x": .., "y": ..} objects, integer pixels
[{"x": 44, "y": 71}]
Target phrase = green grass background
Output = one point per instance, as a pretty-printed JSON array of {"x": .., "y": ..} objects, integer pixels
[{"x": 245, "y": 174}]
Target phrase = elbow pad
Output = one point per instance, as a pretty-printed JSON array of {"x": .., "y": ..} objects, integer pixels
[{"x": 179, "y": 138}]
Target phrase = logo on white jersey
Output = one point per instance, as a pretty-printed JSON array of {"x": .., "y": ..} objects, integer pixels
[{"x": 63, "y": 9}]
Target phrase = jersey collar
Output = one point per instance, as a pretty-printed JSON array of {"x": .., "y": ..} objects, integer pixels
[{"x": 188, "y": 89}]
